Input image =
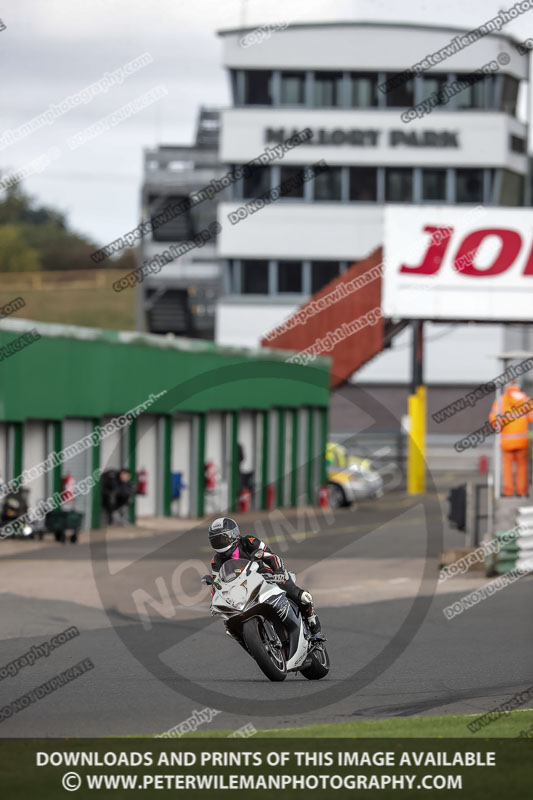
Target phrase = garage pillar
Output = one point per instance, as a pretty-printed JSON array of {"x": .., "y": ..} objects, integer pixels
[
  {"x": 310, "y": 457},
  {"x": 132, "y": 464},
  {"x": 234, "y": 461},
  {"x": 264, "y": 458},
  {"x": 200, "y": 465},
  {"x": 294, "y": 457},
  {"x": 167, "y": 468},
  {"x": 57, "y": 445},
  {"x": 322, "y": 471},
  {"x": 96, "y": 498},
  {"x": 280, "y": 478}
]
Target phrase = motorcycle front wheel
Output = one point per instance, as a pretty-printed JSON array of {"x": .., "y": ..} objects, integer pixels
[
  {"x": 269, "y": 659},
  {"x": 319, "y": 666}
]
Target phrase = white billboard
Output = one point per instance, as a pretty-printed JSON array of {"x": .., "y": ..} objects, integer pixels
[{"x": 447, "y": 262}]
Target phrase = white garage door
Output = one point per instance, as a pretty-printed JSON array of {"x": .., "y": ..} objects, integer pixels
[
  {"x": 147, "y": 458},
  {"x": 216, "y": 501},
  {"x": 34, "y": 453},
  {"x": 113, "y": 448},
  {"x": 80, "y": 465},
  {"x": 3, "y": 452},
  {"x": 180, "y": 461}
]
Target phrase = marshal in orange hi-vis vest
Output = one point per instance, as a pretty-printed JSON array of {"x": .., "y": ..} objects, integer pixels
[{"x": 510, "y": 417}]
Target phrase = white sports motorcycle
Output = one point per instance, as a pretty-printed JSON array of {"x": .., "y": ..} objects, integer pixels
[{"x": 261, "y": 618}]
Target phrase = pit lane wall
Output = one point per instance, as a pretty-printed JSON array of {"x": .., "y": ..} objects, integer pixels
[{"x": 227, "y": 407}]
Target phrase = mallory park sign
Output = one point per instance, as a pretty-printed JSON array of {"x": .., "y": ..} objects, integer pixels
[{"x": 370, "y": 137}]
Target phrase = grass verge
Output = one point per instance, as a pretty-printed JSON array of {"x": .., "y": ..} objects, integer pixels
[{"x": 449, "y": 727}]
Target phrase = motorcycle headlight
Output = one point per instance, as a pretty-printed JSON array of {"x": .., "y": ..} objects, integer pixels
[{"x": 237, "y": 596}]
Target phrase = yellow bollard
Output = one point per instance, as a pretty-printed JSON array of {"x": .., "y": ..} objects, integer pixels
[{"x": 416, "y": 448}]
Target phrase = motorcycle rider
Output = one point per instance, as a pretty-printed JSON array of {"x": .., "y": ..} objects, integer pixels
[{"x": 227, "y": 541}]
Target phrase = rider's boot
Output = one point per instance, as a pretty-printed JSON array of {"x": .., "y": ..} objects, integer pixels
[{"x": 307, "y": 610}]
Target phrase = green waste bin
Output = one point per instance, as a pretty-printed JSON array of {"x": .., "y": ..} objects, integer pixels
[{"x": 59, "y": 522}]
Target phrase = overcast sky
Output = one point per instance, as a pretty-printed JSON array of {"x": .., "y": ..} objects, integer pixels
[{"x": 53, "y": 48}]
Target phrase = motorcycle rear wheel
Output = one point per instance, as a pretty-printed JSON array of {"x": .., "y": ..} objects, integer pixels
[{"x": 274, "y": 667}]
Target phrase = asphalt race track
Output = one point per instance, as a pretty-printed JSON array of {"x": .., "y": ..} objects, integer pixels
[{"x": 391, "y": 654}]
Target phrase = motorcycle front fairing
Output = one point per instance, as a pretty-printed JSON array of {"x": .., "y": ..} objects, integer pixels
[{"x": 242, "y": 593}]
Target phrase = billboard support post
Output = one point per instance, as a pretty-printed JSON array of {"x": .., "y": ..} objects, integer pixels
[{"x": 416, "y": 409}]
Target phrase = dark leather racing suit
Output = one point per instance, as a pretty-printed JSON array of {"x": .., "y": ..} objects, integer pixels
[{"x": 269, "y": 564}]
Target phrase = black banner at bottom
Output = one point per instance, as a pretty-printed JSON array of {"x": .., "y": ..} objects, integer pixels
[{"x": 296, "y": 768}]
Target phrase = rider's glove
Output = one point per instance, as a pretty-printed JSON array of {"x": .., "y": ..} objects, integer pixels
[
  {"x": 277, "y": 577},
  {"x": 306, "y": 598}
]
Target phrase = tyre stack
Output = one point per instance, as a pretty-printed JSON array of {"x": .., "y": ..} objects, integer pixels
[
  {"x": 506, "y": 557},
  {"x": 524, "y": 540}
]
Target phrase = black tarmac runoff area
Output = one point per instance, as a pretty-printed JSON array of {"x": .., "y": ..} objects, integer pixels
[{"x": 159, "y": 659}]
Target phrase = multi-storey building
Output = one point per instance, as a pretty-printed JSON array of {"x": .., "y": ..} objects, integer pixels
[
  {"x": 181, "y": 298},
  {"x": 338, "y": 80}
]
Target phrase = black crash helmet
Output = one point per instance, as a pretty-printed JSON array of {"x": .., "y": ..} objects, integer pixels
[{"x": 223, "y": 534}]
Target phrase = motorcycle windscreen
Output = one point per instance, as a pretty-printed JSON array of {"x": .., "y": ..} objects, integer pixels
[{"x": 232, "y": 568}]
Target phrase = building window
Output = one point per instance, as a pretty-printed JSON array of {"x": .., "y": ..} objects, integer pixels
[
  {"x": 257, "y": 87},
  {"x": 509, "y": 94},
  {"x": 293, "y": 88},
  {"x": 469, "y": 186},
  {"x": 327, "y": 185},
  {"x": 257, "y": 182},
  {"x": 322, "y": 272},
  {"x": 517, "y": 144},
  {"x": 229, "y": 277},
  {"x": 178, "y": 229},
  {"x": 472, "y": 95},
  {"x": 254, "y": 277},
  {"x": 292, "y": 174},
  {"x": 290, "y": 276},
  {"x": 399, "y": 185},
  {"x": 512, "y": 189},
  {"x": 234, "y": 82},
  {"x": 434, "y": 184},
  {"x": 363, "y": 90},
  {"x": 363, "y": 184},
  {"x": 434, "y": 84},
  {"x": 327, "y": 89},
  {"x": 401, "y": 96}
]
